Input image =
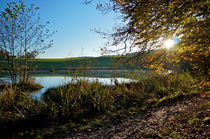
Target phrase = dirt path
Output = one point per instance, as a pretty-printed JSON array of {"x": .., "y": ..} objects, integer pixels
[{"x": 151, "y": 121}]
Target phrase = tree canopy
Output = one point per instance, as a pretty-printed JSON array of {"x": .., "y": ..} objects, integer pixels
[{"x": 148, "y": 23}]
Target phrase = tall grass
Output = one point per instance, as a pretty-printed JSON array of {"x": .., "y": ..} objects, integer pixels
[
  {"x": 81, "y": 99},
  {"x": 84, "y": 99},
  {"x": 16, "y": 110},
  {"x": 28, "y": 86}
]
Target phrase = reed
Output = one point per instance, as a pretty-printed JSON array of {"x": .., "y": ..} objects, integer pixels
[{"x": 82, "y": 99}]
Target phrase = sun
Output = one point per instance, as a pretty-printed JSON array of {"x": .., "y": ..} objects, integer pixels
[{"x": 169, "y": 44}]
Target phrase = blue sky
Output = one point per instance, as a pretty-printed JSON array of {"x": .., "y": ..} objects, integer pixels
[{"x": 73, "y": 21}]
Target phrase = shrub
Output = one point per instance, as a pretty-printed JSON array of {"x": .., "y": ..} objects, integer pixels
[
  {"x": 28, "y": 86},
  {"x": 15, "y": 108}
]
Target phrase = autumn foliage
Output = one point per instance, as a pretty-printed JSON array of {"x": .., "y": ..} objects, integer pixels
[{"x": 148, "y": 23}]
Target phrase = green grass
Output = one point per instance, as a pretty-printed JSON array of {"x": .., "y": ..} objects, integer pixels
[
  {"x": 81, "y": 105},
  {"x": 68, "y": 63}
]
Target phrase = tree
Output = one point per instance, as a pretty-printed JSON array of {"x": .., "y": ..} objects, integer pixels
[
  {"x": 22, "y": 33},
  {"x": 29, "y": 55},
  {"x": 147, "y": 23}
]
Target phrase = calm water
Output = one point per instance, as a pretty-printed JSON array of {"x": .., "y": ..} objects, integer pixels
[
  {"x": 55, "y": 81},
  {"x": 48, "y": 80}
]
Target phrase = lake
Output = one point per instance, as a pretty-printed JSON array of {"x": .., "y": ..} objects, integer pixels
[{"x": 48, "y": 80}]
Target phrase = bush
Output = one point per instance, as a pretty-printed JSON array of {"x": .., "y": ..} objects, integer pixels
[
  {"x": 28, "y": 86},
  {"x": 16, "y": 107}
]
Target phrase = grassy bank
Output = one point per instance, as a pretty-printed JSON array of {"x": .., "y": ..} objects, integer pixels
[
  {"x": 29, "y": 86},
  {"x": 81, "y": 105},
  {"x": 103, "y": 62},
  {"x": 132, "y": 74}
]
